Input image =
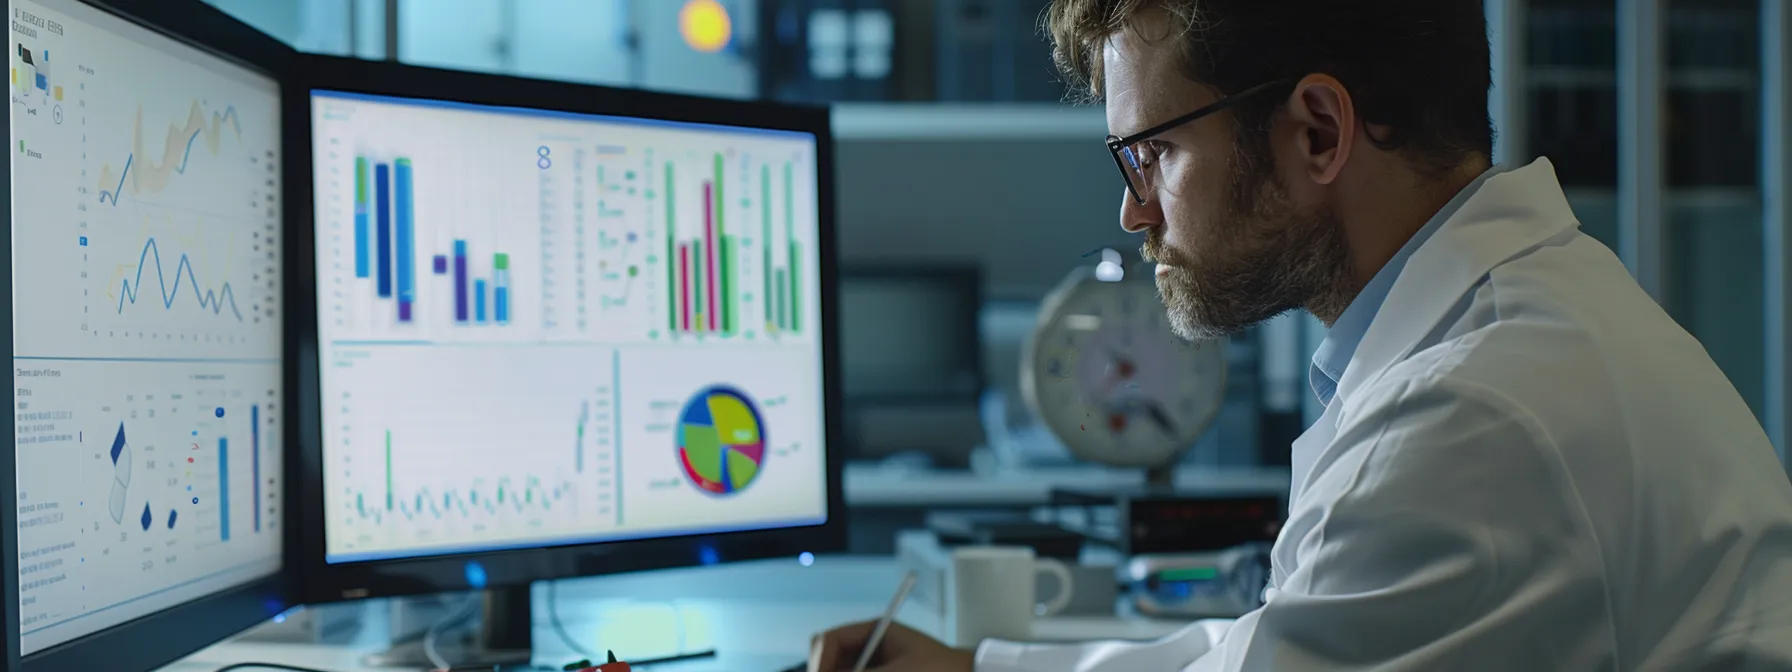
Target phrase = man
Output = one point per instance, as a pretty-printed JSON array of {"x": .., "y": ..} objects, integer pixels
[{"x": 1523, "y": 463}]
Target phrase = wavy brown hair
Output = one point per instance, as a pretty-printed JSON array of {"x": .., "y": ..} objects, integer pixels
[{"x": 1421, "y": 68}]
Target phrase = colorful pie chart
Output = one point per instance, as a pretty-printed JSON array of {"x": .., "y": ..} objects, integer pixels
[{"x": 721, "y": 442}]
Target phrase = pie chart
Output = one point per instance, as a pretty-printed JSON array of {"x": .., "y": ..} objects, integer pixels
[{"x": 721, "y": 443}]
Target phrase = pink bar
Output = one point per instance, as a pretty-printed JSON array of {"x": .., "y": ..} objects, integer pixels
[
  {"x": 709, "y": 253},
  {"x": 684, "y": 283}
]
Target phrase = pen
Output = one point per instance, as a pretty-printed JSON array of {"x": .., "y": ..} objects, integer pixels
[{"x": 883, "y": 624}]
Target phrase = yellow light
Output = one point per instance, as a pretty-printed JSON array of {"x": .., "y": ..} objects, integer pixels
[{"x": 705, "y": 25}]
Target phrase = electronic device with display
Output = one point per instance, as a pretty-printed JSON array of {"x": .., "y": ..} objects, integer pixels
[
  {"x": 148, "y": 332},
  {"x": 525, "y": 331},
  {"x": 559, "y": 330}
]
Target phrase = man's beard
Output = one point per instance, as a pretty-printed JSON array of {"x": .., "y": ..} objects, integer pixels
[{"x": 1260, "y": 257}]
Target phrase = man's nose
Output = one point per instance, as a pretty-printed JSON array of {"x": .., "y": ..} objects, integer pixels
[{"x": 1136, "y": 217}]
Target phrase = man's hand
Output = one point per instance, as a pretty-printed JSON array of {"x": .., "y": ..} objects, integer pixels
[{"x": 902, "y": 650}]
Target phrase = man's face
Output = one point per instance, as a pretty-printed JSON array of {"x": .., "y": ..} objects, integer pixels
[{"x": 1232, "y": 248}]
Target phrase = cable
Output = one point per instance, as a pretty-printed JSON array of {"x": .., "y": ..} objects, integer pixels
[
  {"x": 560, "y": 628},
  {"x": 434, "y": 631},
  {"x": 267, "y": 666}
]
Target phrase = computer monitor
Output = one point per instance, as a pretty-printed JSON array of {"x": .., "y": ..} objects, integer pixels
[
  {"x": 911, "y": 332},
  {"x": 147, "y": 331},
  {"x": 911, "y": 360},
  {"x": 564, "y": 330}
]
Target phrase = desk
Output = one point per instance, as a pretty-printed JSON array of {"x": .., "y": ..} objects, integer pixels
[
  {"x": 870, "y": 485},
  {"x": 759, "y": 617}
]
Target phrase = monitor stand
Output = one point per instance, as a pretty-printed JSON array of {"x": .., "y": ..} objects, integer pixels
[{"x": 503, "y": 637}]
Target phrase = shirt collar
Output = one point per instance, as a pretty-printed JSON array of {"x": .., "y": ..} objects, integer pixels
[{"x": 1340, "y": 343}]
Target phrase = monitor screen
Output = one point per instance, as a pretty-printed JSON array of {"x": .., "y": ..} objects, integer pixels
[
  {"x": 540, "y": 328},
  {"x": 911, "y": 335},
  {"x": 146, "y": 326}
]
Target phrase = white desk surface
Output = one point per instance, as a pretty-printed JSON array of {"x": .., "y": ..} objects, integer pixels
[
  {"x": 876, "y": 485},
  {"x": 758, "y": 616}
]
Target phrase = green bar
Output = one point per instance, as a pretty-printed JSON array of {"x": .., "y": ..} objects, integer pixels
[
  {"x": 720, "y": 205},
  {"x": 697, "y": 285},
  {"x": 529, "y": 496},
  {"x": 729, "y": 293},
  {"x": 793, "y": 263},
  {"x": 360, "y": 180},
  {"x": 765, "y": 240},
  {"x": 783, "y": 317},
  {"x": 500, "y": 494},
  {"x": 388, "y": 470},
  {"x": 727, "y": 286},
  {"x": 501, "y": 262},
  {"x": 671, "y": 261}
]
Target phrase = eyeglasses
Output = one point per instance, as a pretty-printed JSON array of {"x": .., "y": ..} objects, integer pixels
[{"x": 1135, "y": 156}]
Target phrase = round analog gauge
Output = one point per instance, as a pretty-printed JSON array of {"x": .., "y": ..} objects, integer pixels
[{"x": 1112, "y": 381}]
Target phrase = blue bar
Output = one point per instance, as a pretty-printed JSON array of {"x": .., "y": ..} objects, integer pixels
[
  {"x": 361, "y": 241},
  {"x": 382, "y": 189},
  {"x": 255, "y": 460},
  {"x": 407, "y": 266},
  {"x": 460, "y": 281},
  {"x": 479, "y": 301},
  {"x": 223, "y": 488},
  {"x": 501, "y": 295}
]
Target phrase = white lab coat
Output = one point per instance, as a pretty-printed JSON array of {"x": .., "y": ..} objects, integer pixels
[{"x": 1528, "y": 466}]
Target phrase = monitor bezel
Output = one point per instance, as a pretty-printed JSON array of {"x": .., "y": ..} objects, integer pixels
[
  {"x": 323, "y": 581},
  {"x": 165, "y": 636}
]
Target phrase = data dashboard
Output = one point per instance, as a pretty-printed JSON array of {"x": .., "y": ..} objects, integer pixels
[
  {"x": 542, "y": 328},
  {"x": 147, "y": 326}
]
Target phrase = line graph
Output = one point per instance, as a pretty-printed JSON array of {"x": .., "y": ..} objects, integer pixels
[
  {"x": 152, "y": 177},
  {"x": 215, "y": 301}
]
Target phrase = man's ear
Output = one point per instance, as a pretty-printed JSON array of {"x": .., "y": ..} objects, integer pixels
[{"x": 1325, "y": 124}]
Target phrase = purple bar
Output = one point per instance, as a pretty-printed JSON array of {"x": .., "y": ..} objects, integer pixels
[
  {"x": 441, "y": 266},
  {"x": 460, "y": 281},
  {"x": 404, "y": 310}
]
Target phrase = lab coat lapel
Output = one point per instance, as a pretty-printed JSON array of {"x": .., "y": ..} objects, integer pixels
[
  {"x": 1512, "y": 212},
  {"x": 1307, "y": 448}
]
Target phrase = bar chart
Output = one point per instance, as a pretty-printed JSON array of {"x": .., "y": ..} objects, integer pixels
[
  {"x": 783, "y": 304},
  {"x": 473, "y": 295},
  {"x": 470, "y": 290},
  {"x": 558, "y": 230},
  {"x": 713, "y": 274},
  {"x": 704, "y": 278}
]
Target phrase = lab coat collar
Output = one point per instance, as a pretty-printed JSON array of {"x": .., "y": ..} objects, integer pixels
[{"x": 1512, "y": 212}]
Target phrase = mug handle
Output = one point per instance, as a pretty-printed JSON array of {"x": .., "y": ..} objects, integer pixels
[{"x": 1066, "y": 584}]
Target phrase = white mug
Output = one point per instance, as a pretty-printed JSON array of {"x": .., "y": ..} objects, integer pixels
[{"x": 990, "y": 593}]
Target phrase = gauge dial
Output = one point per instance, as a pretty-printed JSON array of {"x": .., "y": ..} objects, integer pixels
[{"x": 1114, "y": 383}]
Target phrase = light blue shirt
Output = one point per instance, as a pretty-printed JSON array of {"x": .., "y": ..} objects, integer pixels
[{"x": 1340, "y": 344}]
